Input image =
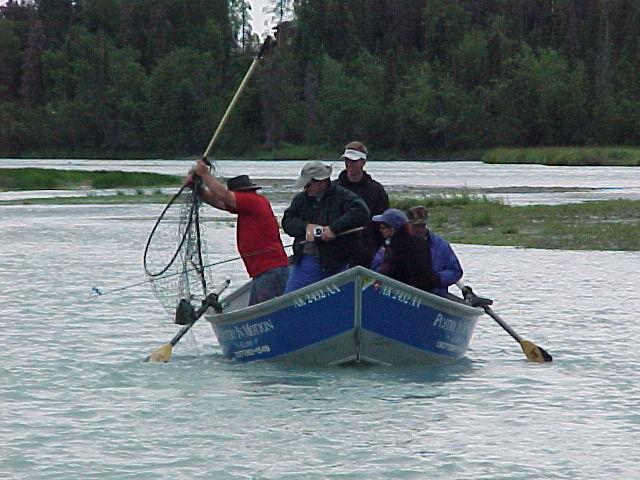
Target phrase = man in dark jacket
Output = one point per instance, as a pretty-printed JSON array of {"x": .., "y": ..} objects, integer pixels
[
  {"x": 354, "y": 178},
  {"x": 319, "y": 218}
]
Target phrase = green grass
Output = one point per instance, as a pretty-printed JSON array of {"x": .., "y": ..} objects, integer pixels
[
  {"x": 569, "y": 156},
  {"x": 602, "y": 225},
  {"x": 474, "y": 219},
  {"x": 47, "y": 179},
  {"x": 119, "y": 198}
]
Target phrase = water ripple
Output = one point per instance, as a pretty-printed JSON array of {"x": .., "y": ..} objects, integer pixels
[{"x": 78, "y": 402}]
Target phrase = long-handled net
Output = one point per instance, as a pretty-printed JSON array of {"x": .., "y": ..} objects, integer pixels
[{"x": 176, "y": 252}]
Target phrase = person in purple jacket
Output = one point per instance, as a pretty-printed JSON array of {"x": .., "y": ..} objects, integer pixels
[{"x": 444, "y": 263}]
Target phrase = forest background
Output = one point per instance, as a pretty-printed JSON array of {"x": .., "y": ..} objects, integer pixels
[{"x": 412, "y": 78}]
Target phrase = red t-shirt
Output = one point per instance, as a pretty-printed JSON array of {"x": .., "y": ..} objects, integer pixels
[{"x": 257, "y": 234}]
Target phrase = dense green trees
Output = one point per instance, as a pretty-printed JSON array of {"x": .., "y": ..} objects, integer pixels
[{"x": 154, "y": 76}]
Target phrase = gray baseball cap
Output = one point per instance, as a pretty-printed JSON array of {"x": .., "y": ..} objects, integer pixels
[{"x": 314, "y": 170}]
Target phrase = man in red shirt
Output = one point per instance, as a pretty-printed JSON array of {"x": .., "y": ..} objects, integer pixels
[{"x": 257, "y": 231}]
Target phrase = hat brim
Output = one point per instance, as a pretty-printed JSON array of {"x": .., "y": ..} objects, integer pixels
[
  {"x": 248, "y": 187},
  {"x": 300, "y": 182},
  {"x": 303, "y": 181},
  {"x": 352, "y": 158}
]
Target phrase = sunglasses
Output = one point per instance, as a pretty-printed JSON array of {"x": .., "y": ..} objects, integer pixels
[{"x": 384, "y": 226}]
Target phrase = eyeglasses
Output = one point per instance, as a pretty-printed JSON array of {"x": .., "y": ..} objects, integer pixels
[{"x": 384, "y": 226}]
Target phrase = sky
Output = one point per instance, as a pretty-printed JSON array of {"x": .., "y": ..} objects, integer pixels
[
  {"x": 259, "y": 19},
  {"x": 258, "y": 24}
]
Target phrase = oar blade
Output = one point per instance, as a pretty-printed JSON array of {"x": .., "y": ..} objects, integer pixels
[
  {"x": 160, "y": 355},
  {"x": 534, "y": 353}
]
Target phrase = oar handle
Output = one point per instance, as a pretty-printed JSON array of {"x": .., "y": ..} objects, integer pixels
[
  {"x": 210, "y": 301},
  {"x": 472, "y": 298}
]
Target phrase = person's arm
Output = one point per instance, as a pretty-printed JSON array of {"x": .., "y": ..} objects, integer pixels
[
  {"x": 355, "y": 213},
  {"x": 389, "y": 262},
  {"x": 445, "y": 262},
  {"x": 292, "y": 222},
  {"x": 376, "y": 262},
  {"x": 215, "y": 194}
]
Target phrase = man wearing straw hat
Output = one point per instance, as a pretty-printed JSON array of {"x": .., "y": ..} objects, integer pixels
[
  {"x": 320, "y": 218},
  {"x": 257, "y": 231}
]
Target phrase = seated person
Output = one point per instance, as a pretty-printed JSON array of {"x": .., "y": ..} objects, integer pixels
[
  {"x": 316, "y": 218},
  {"x": 406, "y": 258},
  {"x": 444, "y": 262}
]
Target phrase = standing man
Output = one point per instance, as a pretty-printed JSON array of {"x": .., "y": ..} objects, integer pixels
[
  {"x": 257, "y": 231},
  {"x": 354, "y": 178},
  {"x": 316, "y": 219},
  {"x": 444, "y": 262}
]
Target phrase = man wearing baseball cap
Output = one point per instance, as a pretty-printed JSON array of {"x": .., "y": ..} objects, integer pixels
[
  {"x": 354, "y": 178},
  {"x": 317, "y": 218},
  {"x": 444, "y": 262}
]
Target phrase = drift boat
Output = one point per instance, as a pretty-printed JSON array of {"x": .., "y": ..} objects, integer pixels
[{"x": 352, "y": 317}]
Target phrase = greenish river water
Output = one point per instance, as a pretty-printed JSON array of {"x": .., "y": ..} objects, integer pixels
[{"x": 78, "y": 402}]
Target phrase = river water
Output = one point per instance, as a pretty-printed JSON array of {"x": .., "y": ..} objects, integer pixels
[
  {"x": 78, "y": 402},
  {"x": 526, "y": 184}
]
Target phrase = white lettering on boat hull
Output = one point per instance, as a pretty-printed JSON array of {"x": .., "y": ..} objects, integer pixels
[
  {"x": 247, "y": 330},
  {"x": 400, "y": 296},
  {"x": 316, "y": 295},
  {"x": 250, "y": 352}
]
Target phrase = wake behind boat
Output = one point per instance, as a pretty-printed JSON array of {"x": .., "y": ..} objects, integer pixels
[{"x": 355, "y": 316}]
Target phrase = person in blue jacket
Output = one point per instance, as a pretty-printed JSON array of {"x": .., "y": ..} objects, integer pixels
[{"x": 444, "y": 262}]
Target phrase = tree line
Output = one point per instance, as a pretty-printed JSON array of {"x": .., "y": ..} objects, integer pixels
[{"x": 154, "y": 76}]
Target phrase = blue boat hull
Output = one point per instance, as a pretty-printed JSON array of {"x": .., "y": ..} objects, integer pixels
[{"x": 355, "y": 316}]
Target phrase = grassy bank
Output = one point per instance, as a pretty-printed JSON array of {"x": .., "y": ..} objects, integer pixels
[
  {"x": 602, "y": 225},
  {"x": 46, "y": 179},
  {"x": 463, "y": 218},
  {"x": 569, "y": 156}
]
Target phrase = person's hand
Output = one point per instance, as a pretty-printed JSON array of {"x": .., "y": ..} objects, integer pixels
[
  {"x": 200, "y": 168},
  {"x": 189, "y": 181},
  {"x": 328, "y": 235},
  {"x": 309, "y": 234}
]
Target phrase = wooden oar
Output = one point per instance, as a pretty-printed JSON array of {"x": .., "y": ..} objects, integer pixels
[
  {"x": 533, "y": 352},
  {"x": 163, "y": 354}
]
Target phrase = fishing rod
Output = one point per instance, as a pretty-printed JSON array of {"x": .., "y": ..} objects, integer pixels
[{"x": 99, "y": 292}]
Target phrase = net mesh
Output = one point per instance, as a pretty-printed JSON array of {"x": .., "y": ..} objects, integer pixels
[{"x": 174, "y": 253}]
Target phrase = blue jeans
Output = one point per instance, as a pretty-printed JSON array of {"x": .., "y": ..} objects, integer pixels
[
  {"x": 307, "y": 271},
  {"x": 268, "y": 285}
]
